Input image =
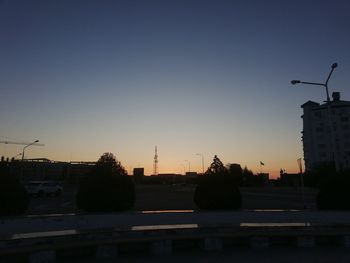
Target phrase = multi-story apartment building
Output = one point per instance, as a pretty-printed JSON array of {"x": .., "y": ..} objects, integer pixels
[{"x": 326, "y": 133}]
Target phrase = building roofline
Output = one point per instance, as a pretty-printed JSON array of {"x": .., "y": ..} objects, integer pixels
[{"x": 310, "y": 103}]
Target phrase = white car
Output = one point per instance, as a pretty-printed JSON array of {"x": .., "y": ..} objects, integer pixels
[{"x": 41, "y": 188}]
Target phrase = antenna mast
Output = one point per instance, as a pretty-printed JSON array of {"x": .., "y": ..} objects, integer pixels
[{"x": 155, "y": 162}]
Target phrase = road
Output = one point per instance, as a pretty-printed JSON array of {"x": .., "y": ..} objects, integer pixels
[{"x": 178, "y": 197}]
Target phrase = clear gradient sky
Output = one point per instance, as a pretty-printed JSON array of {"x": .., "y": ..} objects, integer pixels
[{"x": 212, "y": 77}]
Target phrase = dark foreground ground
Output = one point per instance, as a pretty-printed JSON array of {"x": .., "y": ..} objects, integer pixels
[
  {"x": 243, "y": 255},
  {"x": 180, "y": 197}
]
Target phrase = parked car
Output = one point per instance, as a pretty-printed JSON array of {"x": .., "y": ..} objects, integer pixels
[{"x": 42, "y": 188}]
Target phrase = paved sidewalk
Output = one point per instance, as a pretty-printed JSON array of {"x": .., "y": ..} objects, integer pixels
[{"x": 9, "y": 226}]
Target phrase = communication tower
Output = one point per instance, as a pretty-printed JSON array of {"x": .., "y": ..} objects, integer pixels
[{"x": 155, "y": 162}]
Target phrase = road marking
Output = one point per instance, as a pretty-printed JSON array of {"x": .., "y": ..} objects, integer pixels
[
  {"x": 165, "y": 211},
  {"x": 274, "y": 224},
  {"x": 163, "y": 227}
]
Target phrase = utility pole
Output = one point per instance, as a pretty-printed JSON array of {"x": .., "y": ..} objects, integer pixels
[
  {"x": 22, "y": 163},
  {"x": 329, "y": 106},
  {"x": 155, "y": 162},
  {"x": 301, "y": 181}
]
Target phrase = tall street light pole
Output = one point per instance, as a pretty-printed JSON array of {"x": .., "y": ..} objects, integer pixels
[
  {"x": 199, "y": 154},
  {"x": 23, "y": 155},
  {"x": 302, "y": 181},
  {"x": 325, "y": 84},
  {"x": 334, "y": 65}
]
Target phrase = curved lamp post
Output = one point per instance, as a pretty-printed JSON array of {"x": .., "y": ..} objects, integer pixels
[
  {"x": 325, "y": 84},
  {"x": 334, "y": 65},
  {"x": 23, "y": 154}
]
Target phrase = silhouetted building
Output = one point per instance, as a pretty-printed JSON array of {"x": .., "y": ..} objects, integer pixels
[
  {"x": 264, "y": 178},
  {"x": 290, "y": 179},
  {"x": 322, "y": 142},
  {"x": 138, "y": 172},
  {"x": 169, "y": 175},
  {"x": 40, "y": 169},
  {"x": 45, "y": 169},
  {"x": 77, "y": 170},
  {"x": 191, "y": 174}
]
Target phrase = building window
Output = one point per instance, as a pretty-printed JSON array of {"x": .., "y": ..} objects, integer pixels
[
  {"x": 320, "y": 138},
  {"x": 318, "y": 114},
  {"x": 323, "y": 154},
  {"x": 321, "y": 145},
  {"x": 319, "y": 129},
  {"x": 344, "y": 119}
]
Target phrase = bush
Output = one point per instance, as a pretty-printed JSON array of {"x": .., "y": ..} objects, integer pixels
[
  {"x": 107, "y": 188},
  {"x": 101, "y": 193},
  {"x": 217, "y": 189},
  {"x": 320, "y": 175},
  {"x": 335, "y": 194},
  {"x": 217, "y": 193},
  {"x": 14, "y": 199}
]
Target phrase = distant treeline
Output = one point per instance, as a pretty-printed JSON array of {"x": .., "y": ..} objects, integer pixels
[{"x": 242, "y": 177}]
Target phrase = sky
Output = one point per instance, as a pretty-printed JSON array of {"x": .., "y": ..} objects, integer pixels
[{"x": 190, "y": 76}]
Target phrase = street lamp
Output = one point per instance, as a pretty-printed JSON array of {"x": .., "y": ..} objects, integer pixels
[
  {"x": 334, "y": 65},
  {"x": 23, "y": 155},
  {"x": 199, "y": 154},
  {"x": 27, "y": 147},
  {"x": 325, "y": 84}
]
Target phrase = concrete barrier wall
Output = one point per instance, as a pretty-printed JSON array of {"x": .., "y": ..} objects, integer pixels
[
  {"x": 28, "y": 224},
  {"x": 109, "y": 243}
]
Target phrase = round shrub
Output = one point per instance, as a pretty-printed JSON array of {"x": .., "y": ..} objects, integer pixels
[
  {"x": 335, "y": 194},
  {"x": 217, "y": 193},
  {"x": 107, "y": 188},
  {"x": 14, "y": 199},
  {"x": 101, "y": 193}
]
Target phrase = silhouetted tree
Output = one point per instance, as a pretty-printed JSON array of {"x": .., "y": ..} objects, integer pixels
[
  {"x": 107, "y": 188},
  {"x": 217, "y": 189},
  {"x": 235, "y": 170},
  {"x": 108, "y": 165},
  {"x": 216, "y": 168}
]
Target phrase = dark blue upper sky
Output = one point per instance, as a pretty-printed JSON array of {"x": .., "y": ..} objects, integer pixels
[{"x": 191, "y": 76}]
